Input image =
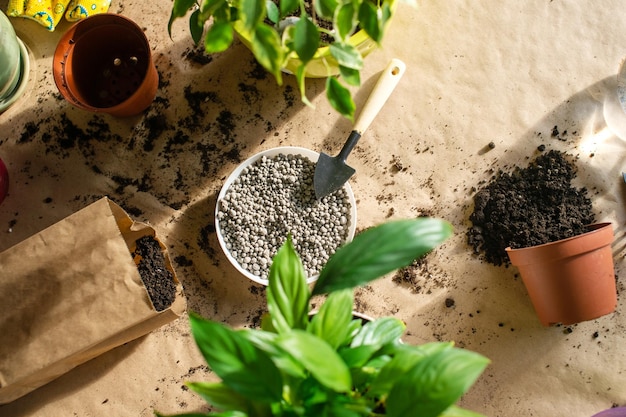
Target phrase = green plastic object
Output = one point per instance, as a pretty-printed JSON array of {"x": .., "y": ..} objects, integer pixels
[{"x": 14, "y": 64}]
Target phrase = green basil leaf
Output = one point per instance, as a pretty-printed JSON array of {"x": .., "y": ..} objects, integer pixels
[
  {"x": 219, "y": 37},
  {"x": 179, "y": 9},
  {"x": 252, "y": 12},
  {"x": 331, "y": 323},
  {"x": 288, "y": 6},
  {"x": 455, "y": 411},
  {"x": 345, "y": 21},
  {"x": 266, "y": 341},
  {"x": 380, "y": 250},
  {"x": 288, "y": 293},
  {"x": 196, "y": 27},
  {"x": 355, "y": 357},
  {"x": 372, "y": 337},
  {"x": 220, "y": 395},
  {"x": 347, "y": 407},
  {"x": 325, "y": 8},
  {"x": 406, "y": 357},
  {"x": 209, "y": 7},
  {"x": 340, "y": 98},
  {"x": 242, "y": 366},
  {"x": 231, "y": 413},
  {"x": 301, "y": 78},
  {"x": 350, "y": 76},
  {"x": 368, "y": 18},
  {"x": 266, "y": 323},
  {"x": 267, "y": 49},
  {"x": 435, "y": 383},
  {"x": 312, "y": 394},
  {"x": 319, "y": 358},
  {"x": 218, "y": 10},
  {"x": 379, "y": 332},
  {"x": 347, "y": 55},
  {"x": 353, "y": 328},
  {"x": 306, "y": 39},
  {"x": 363, "y": 376},
  {"x": 385, "y": 16},
  {"x": 272, "y": 11}
]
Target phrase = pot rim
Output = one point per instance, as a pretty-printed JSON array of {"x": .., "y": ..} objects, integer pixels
[
  {"x": 601, "y": 234},
  {"x": 20, "y": 87}
]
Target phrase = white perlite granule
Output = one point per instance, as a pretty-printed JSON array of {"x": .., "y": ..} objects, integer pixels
[{"x": 275, "y": 197}]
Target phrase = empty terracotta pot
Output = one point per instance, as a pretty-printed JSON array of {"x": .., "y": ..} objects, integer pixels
[
  {"x": 104, "y": 64},
  {"x": 570, "y": 280}
]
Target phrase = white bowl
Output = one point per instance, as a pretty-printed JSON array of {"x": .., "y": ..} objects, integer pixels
[{"x": 286, "y": 150}]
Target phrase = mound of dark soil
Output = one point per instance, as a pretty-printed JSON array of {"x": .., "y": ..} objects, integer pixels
[{"x": 529, "y": 206}]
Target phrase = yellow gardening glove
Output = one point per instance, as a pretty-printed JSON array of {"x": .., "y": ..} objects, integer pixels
[
  {"x": 79, "y": 9},
  {"x": 49, "y": 12},
  {"x": 45, "y": 12}
]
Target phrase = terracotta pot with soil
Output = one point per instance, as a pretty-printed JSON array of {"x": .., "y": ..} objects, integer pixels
[
  {"x": 537, "y": 220},
  {"x": 570, "y": 280},
  {"x": 104, "y": 64}
]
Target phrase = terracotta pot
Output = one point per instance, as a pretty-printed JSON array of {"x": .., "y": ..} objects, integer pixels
[
  {"x": 14, "y": 64},
  {"x": 570, "y": 280},
  {"x": 104, "y": 64}
]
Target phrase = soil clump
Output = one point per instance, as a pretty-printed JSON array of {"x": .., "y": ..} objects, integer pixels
[{"x": 529, "y": 206}]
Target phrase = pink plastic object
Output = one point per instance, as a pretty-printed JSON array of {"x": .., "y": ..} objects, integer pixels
[{"x": 4, "y": 181}]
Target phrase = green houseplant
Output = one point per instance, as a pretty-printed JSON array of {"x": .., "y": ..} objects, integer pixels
[
  {"x": 328, "y": 363},
  {"x": 309, "y": 38}
]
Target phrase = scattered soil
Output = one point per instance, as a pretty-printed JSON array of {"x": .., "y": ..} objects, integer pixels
[
  {"x": 423, "y": 277},
  {"x": 157, "y": 279},
  {"x": 529, "y": 206},
  {"x": 197, "y": 56}
]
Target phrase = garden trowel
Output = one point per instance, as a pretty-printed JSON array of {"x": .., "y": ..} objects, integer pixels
[{"x": 331, "y": 173}]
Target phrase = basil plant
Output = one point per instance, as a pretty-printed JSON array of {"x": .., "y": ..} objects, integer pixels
[
  {"x": 329, "y": 364},
  {"x": 277, "y": 31}
]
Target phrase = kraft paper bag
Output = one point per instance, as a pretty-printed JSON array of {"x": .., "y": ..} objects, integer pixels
[{"x": 72, "y": 292}]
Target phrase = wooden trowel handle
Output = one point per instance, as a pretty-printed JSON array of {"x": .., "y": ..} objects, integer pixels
[{"x": 380, "y": 93}]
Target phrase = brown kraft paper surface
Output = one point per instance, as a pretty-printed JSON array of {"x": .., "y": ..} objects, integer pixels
[{"x": 70, "y": 293}]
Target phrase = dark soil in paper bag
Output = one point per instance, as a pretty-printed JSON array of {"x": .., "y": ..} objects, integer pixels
[
  {"x": 157, "y": 279},
  {"x": 529, "y": 206}
]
